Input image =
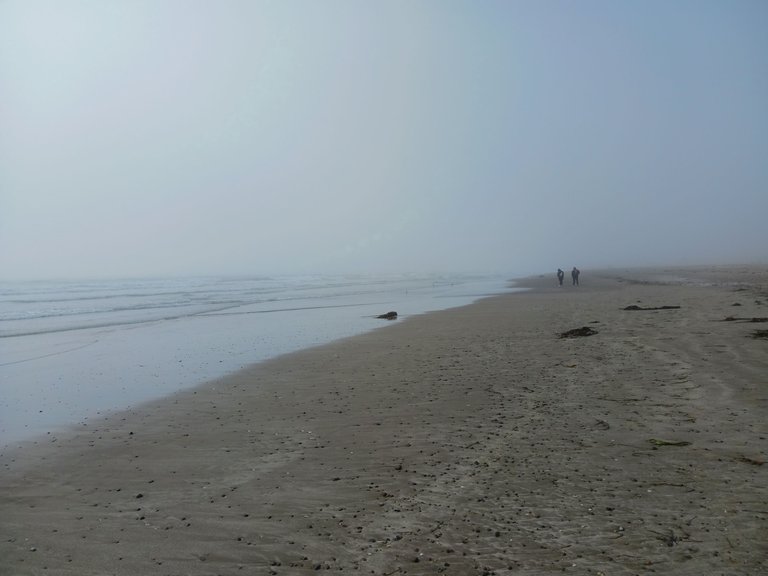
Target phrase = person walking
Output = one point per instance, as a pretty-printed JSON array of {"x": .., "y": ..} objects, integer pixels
[
  {"x": 560, "y": 276},
  {"x": 575, "y": 276}
]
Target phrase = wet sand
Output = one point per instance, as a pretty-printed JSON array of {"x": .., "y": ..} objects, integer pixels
[{"x": 467, "y": 441}]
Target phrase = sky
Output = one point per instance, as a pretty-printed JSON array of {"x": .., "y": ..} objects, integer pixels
[{"x": 186, "y": 137}]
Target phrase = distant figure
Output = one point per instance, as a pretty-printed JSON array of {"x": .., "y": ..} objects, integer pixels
[
  {"x": 560, "y": 276},
  {"x": 575, "y": 276}
]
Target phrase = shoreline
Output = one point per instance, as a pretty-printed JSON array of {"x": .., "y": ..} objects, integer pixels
[
  {"x": 466, "y": 441},
  {"x": 58, "y": 379}
]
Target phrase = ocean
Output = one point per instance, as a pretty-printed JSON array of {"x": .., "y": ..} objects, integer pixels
[{"x": 72, "y": 352}]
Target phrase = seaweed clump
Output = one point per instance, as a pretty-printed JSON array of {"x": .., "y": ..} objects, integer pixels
[{"x": 577, "y": 332}]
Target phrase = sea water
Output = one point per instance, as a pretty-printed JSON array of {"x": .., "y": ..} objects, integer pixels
[{"x": 71, "y": 352}]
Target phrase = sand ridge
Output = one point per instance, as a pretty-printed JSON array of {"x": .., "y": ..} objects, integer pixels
[{"x": 469, "y": 441}]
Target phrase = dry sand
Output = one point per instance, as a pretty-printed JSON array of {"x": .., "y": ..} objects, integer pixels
[{"x": 468, "y": 441}]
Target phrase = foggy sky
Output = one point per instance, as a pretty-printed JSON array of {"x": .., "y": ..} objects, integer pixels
[{"x": 164, "y": 137}]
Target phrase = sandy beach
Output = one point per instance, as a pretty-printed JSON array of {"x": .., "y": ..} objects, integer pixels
[{"x": 470, "y": 441}]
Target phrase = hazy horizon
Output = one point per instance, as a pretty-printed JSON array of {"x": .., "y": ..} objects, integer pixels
[{"x": 181, "y": 137}]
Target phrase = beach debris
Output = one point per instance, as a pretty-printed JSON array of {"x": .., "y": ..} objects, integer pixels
[
  {"x": 577, "y": 332},
  {"x": 660, "y": 442},
  {"x": 670, "y": 538},
  {"x": 737, "y": 319},
  {"x": 636, "y": 307},
  {"x": 753, "y": 461},
  {"x": 760, "y": 334},
  {"x": 388, "y": 316}
]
